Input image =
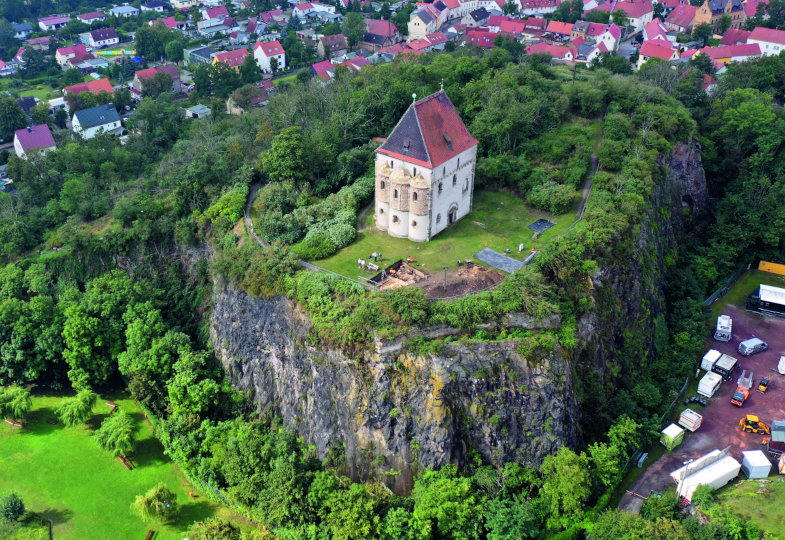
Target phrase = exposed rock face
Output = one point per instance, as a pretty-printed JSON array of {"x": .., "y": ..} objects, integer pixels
[
  {"x": 412, "y": 410},
  {"x": 395, "y": 410}
]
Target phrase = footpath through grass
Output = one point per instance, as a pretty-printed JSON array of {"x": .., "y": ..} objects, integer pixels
[
  {"x": 62, "y": 474},
  {"x": 498, "y": 220}
]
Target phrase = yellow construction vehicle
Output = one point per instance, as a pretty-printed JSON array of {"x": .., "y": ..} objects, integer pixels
[
  {"x": 751, "y": 424},
  {"x": 764, "y": 385}
]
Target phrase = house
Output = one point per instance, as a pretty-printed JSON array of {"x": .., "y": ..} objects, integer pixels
[
  {"x": 22, "y": 30},
  {"x": 770, "y": 41},
  {"x": 101, "y": 119},
  {"x": 355, "y": 64},
  {"x": 104, "y": 37},
  {"x": 751, "y": 7},
  {"x": 421, "y": 23},
  {"x": 95, "y": 86},
  {"x": 219, "y": 13},
  {"x": 137, "y": 85},
  {"x": 31, "y": 138},
  {"x": 681, "y": 19},
  {"x": 476, "y": 18},
  {"x": 656, "y": 30},
  {"x": 124, "y": 11},
  {"x": 302, "y": 11},
  {"x": 199, "y": 55},
  {"x": 670, "y": 5},
  {"x": 332, "y": 46},
  {"x": 587, "y": 50},
  {"x": 425, "y": 171},
  {"x": 197, "y": 111},
  {"x": 39, "y": 43},
  {"x": 27, "y": 103},
  {"x": 480, "y": 37},
  {"x": 735, "y": 36},
  {"x": 272, "y": 16},
  {"x": 259, "y": 98},
  {"x": 559, "y": 52},
  {"x": 732, "y": 53},
  {"x": 380, "y": 34},
  {"x": 64, "y": 55},
  {"x": 711, "y": 12},
  {"x": 91, "y": 17},
  {"x": 265, "y": 52},
  {"x": 53, "y": 22},
  {"x": 559, "y": 30},
  {"x": 656, "y": 49},
  {"x": 171, "y": 23},
  {"x": 8, "y": 69},
  {"x": 184, "y": 4},
  {"x": 638, "y": 13},
  {"x": 538, "y": 7},
  {"x": 233, "y": 58},
  {"x": 437, "y": 40},
  {"x": 154, "y": 5},
  {"x": 324, "y": 70}
]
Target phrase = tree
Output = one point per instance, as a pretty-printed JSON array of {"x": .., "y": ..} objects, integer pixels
[
  {"x": 174, "y": 51},
  {"x": 446, "y": 506},
  {"x": 510, "y": 8},
  {"x": 40, "y": 115},
  {"x": 12, "y": 117},
  {"x": 117, "y": 433},
  {"x": 224, "y": 78},
  {"x": 157, "y": 504},
  {"x": 566, "y": 485},
  {"x": 597, "y": 16},
  {"x": 569, "y": 11},
  {"x": 286, "y": 159},
  {"x": 61, "y": 117},
  {"x": 122, "y": 98},
  {"x": 157, "y": 85},
  {"x": 249, "y": 71},
  {"x": 703, "y": 32},
  {"x": 352, "y": 513},
  {"x": 273, "y": 65},
  {"x": 354, "y": 28},
  {"x": 15, "y": 402},
  {"x": 11, "y": 507},
  {"x": 203, "y": 82},
  {"x": 620, "y": 18},
  {"x": 512, "y": 519},
  {"x": 725, "y": 22},
  {"x": 72, "y": 76},
  {"x": 76, "y": 410},
  {"x": 212, "y": 528}
]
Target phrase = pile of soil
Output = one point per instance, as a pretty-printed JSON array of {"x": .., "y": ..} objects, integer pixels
[{"x": 467, "y": 279}]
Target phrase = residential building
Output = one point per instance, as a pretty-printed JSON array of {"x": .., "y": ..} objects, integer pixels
[
  {"x": 608, "y": 34},
  {"x": 425, "y": 171},
  {"x": 656, "y": 49},
  {"x": 264, "y": 52},
  {"x": 90, "y": 18},
  {"x": 219, "y": 13},
  {"x": 95, "y": 86},
  {"x": 53, "y": 22},
  {"x": 476, "y": 18},
  {"x": 770, "y": 41},
  {"x": 732, "y": 53},
  {"x": 681, "y": 19},
  {"x": 559, "y": 30},
  {"x": 124, "y": 11},
  {"x": 559, "y": 52},
  {"x": 22, "y": 30},
  {"x": 39, "y": 43},
  {"x": 656, "y": 30},
  {"x": 154, "y": 5},
  {"x": 137, "y": 85},
  {"x": 199, "y": 55},
  {"x": 711, "y": 12},
  {"x": 258, "y": 99},
  {"x": 33, "y": 138},
  {"x": 9, "y": 69},
  {"x": 233, "y": 58},
  {"x": 101, "y": 119},
  {"x": 482, "y": 37},
  {"x": 538, "y": 7},
  {"x": 421, "y": 23},
  {"x": 104, "y": 37},
  {"x": 332, "y": 46},
  {"x": 324, "y": 70},
  {"x": 197, "y": 111},
  {"x": 734, "y": 36},
  {"x": 64, "y": 55},
  {"x": 170, "y": 22},
  {"x": 639, "y": 13},
  {"x": 184, "y": 4}
]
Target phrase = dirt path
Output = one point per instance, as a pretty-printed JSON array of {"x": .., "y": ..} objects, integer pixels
[
  {"x": 587, "y": 185},
  {"x": 721, "y": 418}
]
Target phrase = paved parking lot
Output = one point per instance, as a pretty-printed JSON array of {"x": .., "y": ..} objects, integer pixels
[{"x": 721, "y": 418}]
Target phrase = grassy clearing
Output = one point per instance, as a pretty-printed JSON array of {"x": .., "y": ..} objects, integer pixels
[
  {"x": 498, "y": 220},
  {"x": 743, "y": 287},
  {"x": 759, "y": 502},
  {"x": 63, "y": 475},
  {"x": 30, "y": 527}
]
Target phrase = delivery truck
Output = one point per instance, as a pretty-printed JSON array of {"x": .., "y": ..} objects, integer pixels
[{"x": 725, "y": 366}]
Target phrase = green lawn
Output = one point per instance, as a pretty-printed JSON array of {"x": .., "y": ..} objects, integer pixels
[
  {"x": 745, "y": 285},
  {"x": 62, "y": 474},
  {"x": 760, "y": 502},
  {"x": 498, "y": 220}
]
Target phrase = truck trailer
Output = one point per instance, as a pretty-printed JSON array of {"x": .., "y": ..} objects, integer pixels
[
  {"x": 724, "y": 328},
  {"x": 725, "y": 366}
]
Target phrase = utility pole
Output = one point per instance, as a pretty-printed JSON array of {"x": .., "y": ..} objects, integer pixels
[{"x": 445, "y": 277}]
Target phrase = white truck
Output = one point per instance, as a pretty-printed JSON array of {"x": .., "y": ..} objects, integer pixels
[{"x": 724, "y": 327}]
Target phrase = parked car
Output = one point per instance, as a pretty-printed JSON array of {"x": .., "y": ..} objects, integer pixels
[{"x": 752, "y": 346}]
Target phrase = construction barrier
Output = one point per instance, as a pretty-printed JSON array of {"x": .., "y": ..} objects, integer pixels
[{"x": 772, "y": 268}]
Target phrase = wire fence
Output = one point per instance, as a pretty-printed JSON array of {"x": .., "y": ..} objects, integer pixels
[{"x": 727, "y": 284}]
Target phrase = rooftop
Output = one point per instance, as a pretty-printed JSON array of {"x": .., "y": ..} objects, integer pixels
[
  {"x": 35, "y": 137},
  {"x": 97, "y": 116}
]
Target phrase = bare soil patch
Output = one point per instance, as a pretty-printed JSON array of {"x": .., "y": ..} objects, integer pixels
[{"x": 469, "y": 278}]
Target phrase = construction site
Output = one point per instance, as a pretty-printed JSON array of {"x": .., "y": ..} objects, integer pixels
[{"x": 468, "y": 278}]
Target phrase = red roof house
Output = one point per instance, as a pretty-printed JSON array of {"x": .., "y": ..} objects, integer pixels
[
  {"x": 233, "y": 59},
  {"x": 100, "y": 85},
  {"x": 33, "y": 137}
]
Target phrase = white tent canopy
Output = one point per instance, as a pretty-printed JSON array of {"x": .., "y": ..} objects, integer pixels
[{"x": 715, "y": 469}]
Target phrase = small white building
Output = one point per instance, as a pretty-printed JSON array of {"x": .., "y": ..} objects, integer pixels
[
  {"x": 755, "y": 464},
  {"x": 264, "y": 52},
  {"x": 33, "y": 138},
  {"x": 425, "y": 171},
  {"x": 771, "y": 41},
  {"x": 101, "y": 119},
  {"x": 103, "y": 37},
  {"x": 124, "y": 11}
]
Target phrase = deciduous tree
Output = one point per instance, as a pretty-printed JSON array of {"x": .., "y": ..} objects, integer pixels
[
  {"x": 157, "y": 504},
  {"x": 117, "y": 433}
]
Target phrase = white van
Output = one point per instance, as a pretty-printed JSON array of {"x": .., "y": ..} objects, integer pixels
[{"x": 752, "y": 346}]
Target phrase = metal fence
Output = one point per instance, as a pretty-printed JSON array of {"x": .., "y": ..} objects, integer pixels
[{"x": 727, "y": 284}]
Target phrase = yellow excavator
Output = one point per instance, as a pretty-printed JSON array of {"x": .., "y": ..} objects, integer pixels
[{"x": 751, "y": 424}]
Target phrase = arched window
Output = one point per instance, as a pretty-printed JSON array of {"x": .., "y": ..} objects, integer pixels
[
  {"x": 414, "y": 196},
  {"x": 381, "y": 210},
  {"x": 438, "y": 218},
  {"x": 414, "y": 224},
  {"x": 382, "y": 184},
  {"x": 395, "y": 194},
  {"x": 395, "y": 219},
  {"x": 454, "y": 179},
  {"x": 440, "y": 187}
]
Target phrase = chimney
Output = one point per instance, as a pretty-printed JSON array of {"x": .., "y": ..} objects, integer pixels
[{"x": 29, "y": 129}]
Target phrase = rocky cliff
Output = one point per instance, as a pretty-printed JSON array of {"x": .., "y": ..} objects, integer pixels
[{"x": 398, "y": 408}]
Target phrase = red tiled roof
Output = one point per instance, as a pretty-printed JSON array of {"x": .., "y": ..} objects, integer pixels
[
  {"x": 35, "y": 137},
  {"x": 76, "y": 50},
  {"x": 655, "y": 29},
  {"x": 419, "y": 44},
  {"x": 39, "y": 40},
  {"x": 92, "y": 16},
  {"x": 769, "y": 35},
  {"x": 429, "y": 133},
  {"x": 452, "y": 4},
  {"x": 437, "y": 38},
  {"x": 496, "y": 20},
  {"x": 214, "y": 13},
  {"x": 674, "y": 3},
  {"x": 730, "y": 51},
  {"x": 734, "y": 36},
  {"x": 321, "y": 68},
  {"x": 513, "y": 27},
  {"x": 233, "y": 58},
  {"x": 557, "y": 51},
  {"x": 634, "y": 10},
  {"x": 169, "y": 69},
  {"x": 269, "y": 48},
  {"x": 356, "y": 64},
  {"x": 267, "y": 16},
  {"x": 682, "y": 16},
  {"x": 481, "y": 37},
  {"x": 303, "y": 7},
  {"x": 91, "y": 86},
  {"x": 751, "y": 7},
  {"x": 336, "y": 41},
  {"x": 655, "y": 49},
  {"x": 532, "y": 4},
  {"x": 396, "y": 49},
  {"x": 536, "y": 23},
  {"x": 558, "y": 27},
  {"x": 381, "y": 27}
]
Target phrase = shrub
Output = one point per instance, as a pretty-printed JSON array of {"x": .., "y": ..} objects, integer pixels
[
  {"x": 315, "y": 247},
  {"x": 11, "y": 507},
  {"x": 551, "y": 196}
]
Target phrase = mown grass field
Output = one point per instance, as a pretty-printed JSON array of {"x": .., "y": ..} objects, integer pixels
[
  {"x": 759, "y": 502},
  {"x": 498, "y": 220},
  {"x": 62, "y": 474}
]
